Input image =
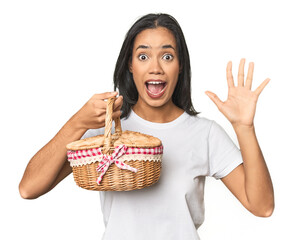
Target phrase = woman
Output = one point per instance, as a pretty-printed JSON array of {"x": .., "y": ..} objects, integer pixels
[{"x": 153, "y": 77}]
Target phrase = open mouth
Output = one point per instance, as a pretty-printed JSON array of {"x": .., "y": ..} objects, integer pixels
[{"x": 155, "y": 87}]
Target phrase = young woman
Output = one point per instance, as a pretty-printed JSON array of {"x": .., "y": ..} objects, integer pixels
[{"x": 153, "y": 77}]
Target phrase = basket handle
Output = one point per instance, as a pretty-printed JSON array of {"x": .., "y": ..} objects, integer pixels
[{"x": 108, "y": 146}]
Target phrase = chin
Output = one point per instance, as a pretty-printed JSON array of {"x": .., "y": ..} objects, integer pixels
[{"x": 156, "y": 102}]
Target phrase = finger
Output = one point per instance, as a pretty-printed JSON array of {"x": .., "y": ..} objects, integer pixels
[
  {"x": 241, "y": 73},
  {"x": 115, "y": 115},
  {"x": 262, "y": 86},
  {"x": 214, "y": 98},
  {"x": 100, "y": 100},
  {"x": 118, "y": 103},
  {"x": 230, "y": 78},
  {"x": 250, "y": 73},
  {"x": 106, "y": 95}
]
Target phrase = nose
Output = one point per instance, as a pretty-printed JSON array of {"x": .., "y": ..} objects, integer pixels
[{"x": 156, "y": 67}]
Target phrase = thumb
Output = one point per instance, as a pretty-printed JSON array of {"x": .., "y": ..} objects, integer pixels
[{"x": 214, "y": 98}]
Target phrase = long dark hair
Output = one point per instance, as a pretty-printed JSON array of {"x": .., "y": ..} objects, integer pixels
[{"x": 123, "y": 79}]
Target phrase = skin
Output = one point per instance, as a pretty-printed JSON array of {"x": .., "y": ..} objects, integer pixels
[
  {"x": 155, "y": 56},
  {"x": 250, "y": 182},
  {"x": 49, "y": 165}
]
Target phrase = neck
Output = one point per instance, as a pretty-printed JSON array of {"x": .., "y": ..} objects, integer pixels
[{"x": 160, "y": 114}]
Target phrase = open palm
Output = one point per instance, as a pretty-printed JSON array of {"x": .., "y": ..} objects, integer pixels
[{"x": 240, "y": 107}]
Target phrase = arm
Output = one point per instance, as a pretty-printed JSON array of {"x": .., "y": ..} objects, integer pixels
[
  {"x": 250, "y": 182},
  {"x": 49, "y": 165}
]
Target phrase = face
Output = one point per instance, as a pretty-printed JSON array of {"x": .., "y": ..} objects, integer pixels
[{"x": 155, "y": 66}]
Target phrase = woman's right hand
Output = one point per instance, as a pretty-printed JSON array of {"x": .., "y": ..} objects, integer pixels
[
  {"x": 93, "y": 114},
  {"x": 49, "y": 165}
]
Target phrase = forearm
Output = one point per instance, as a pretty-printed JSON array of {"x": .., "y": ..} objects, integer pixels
[
  {"x": 44, "y": 167},
  {"x": 49, "y": 166},
  {"x": 258, "y": 184}
]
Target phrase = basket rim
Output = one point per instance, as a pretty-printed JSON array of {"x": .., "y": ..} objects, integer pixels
[{"x": 128, "y": 138}]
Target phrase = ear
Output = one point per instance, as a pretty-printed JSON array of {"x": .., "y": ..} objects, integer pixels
[{"x": 180, "y": 69}]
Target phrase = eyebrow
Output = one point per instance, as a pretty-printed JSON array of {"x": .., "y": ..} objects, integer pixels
[{"x": 163, "y": 47}]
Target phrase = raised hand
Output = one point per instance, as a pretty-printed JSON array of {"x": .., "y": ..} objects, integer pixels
[
  {"x": 93, "y": 114},
  {"x": 240, "y": 107}
]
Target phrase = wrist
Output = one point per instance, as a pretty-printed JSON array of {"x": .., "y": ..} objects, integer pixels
[
  {"x": 241, "y": 128},
  {"x": 75, "y": 126}
]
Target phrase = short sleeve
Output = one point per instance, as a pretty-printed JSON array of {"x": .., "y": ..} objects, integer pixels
[{"x": 224, "y": 155}]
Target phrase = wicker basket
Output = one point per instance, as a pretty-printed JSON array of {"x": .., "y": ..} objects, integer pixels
[{"x": 122, "y": 161}]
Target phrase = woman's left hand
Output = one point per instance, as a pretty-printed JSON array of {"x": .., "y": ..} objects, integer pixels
[{"x": 240, "y": 107}]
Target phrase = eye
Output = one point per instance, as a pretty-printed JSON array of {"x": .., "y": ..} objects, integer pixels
[
  {"x": 168, "y": 57},
  {"x": 143, "y": 57}
]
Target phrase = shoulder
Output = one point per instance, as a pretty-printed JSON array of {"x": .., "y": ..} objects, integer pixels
[
  {"x": 200, "y": 121},
  {"x": 197, "y": 126},
  {"x": 211, "y": 128}
]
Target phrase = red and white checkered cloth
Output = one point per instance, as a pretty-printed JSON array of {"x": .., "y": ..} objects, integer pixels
[{"x": 107, "y": 160}]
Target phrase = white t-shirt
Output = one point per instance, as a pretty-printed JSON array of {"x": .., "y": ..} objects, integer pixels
[{"x": 172, "y": 208}]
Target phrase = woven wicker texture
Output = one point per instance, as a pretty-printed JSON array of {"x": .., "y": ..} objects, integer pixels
[
  {"x": 116, "y": 179},
  {"x": 129, "y": 138}
]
